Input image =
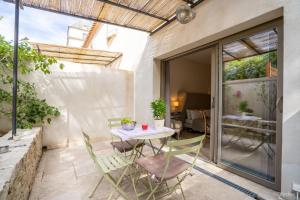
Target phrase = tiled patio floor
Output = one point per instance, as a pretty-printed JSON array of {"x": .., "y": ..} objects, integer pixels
[{"x": 69, "y": 174}]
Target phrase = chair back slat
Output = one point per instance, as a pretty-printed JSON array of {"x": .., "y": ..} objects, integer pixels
[
  {"x": 120, "y": 160},
  {"x": 179, "y": 147},
  {"x": 178, "y": 143},
  {"x": 107, "y": 161},
  {"x": 101, "y": 166},
  {"x": 183, "y": 151},
  {"x": 114, "y": 122}
]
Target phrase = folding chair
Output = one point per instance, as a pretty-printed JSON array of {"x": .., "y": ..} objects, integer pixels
[
  {"x": 107, "y": 164},
  {"x": 164, "y": 167},
  {"x": 124, "y": 146}
]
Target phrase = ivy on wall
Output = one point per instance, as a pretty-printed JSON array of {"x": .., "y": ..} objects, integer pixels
[{"x": 31, "y": 110}]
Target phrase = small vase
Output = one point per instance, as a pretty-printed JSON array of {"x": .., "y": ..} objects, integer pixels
[{"x": 159, "y": 123}]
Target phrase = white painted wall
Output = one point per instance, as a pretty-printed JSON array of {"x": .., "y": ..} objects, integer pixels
[
  {"x": 128, "y": 41},
  {"x": 217, "y": 19},
  {"x": 76, "y": 37},
  {"x": 86, "y": 95}
]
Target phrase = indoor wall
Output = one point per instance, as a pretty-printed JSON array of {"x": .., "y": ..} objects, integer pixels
[{"x": 189, "y": 76}]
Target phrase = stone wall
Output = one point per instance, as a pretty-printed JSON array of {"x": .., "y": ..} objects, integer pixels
[{"x": 18, "y": 166}]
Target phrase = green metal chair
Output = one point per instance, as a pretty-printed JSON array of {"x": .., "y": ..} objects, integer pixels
[
  {"x": 165, "y": 167},
  {"x": 106, "y": 164},
  {"x": 124, "y": 146}
]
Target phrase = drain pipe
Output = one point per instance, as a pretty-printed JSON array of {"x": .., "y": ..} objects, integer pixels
[{"x": 15, "y": 70}]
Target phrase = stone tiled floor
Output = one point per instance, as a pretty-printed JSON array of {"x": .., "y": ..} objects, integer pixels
[{"x": 69, "y": 174}]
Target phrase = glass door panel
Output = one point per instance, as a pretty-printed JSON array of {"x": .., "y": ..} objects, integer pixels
[{"x": 249, "y": 104}]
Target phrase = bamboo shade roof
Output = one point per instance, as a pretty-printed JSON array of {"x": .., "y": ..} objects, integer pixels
[
  {"x": 257, "y": 44},
  {"x": 144, "y": 15},
  {"x": 77, "y": 55}
]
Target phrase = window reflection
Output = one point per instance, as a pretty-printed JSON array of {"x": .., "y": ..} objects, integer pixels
[{"x": 249, "y": 104}]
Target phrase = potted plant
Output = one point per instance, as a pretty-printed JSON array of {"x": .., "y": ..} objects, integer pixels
[{"x": 159, "y": 110}]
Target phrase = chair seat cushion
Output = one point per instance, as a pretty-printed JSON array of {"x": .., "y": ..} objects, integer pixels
[
  {"x": 156, "y": 165},
  {"x": 125, "y": 146}
]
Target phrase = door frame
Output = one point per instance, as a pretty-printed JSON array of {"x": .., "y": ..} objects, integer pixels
[
  {"x": 218, "y": 97},
  {"x": 278, "y": 24},
  {"x": 165, "y": 91}
]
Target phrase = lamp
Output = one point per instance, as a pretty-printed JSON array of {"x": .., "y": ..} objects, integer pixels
[
  {"x": 185, "y": 14},
  {"x": 175, "y": 105}
]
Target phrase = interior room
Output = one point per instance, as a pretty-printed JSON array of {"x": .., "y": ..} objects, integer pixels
[{"x": 190, "y": 91}]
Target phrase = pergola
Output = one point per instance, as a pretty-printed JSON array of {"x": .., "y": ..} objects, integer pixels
[
  {"x": 143, "y": 15},
  {"x": 77, "y": 55}
]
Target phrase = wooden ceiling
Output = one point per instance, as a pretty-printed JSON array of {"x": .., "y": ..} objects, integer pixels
[
  {"x": 144, "y": 15},
  {"x": 77, "y": 55}
]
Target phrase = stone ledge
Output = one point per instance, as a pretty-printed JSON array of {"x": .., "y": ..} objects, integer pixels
[{"x": 18, "y": 166}]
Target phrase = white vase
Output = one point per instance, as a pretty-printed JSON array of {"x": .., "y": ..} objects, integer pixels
[{"x": 159, "y": 123}]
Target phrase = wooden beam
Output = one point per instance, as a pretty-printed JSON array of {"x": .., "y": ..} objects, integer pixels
[
  {"x": 79, "y": 16},
  {"x": 82, "y": 59},
  {"x": 188, "y": 1},
  {"x": 249, "y": 46},
  {"x": 250, "y": 55},
  {"x": 95, "y": 27},
  {"x": 133, "y": 9},
  {"x": 236, "y": 58},
  {"x": 76, "y": 54},
  {"x": 173, "y": 18}
]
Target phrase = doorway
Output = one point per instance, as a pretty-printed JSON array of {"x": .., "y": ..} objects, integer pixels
[
  {"x": 243, "y": 99},
  {"x": 190, "y": 93}
]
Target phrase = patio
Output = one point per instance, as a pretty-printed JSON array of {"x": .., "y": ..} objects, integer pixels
[
  {"x": 69, "y": 173},
  {"x": 118, "y": 66}
]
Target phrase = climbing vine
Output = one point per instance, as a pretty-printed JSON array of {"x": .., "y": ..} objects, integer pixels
[{"x": 31, "y": 110}]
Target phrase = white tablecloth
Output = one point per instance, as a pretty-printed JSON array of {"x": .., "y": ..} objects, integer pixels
[{"x": 139, "y": 132}]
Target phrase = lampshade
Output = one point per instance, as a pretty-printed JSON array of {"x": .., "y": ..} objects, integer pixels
[
  {"x": 176, "y": 103},
  {"x": 185, "y": 14}
]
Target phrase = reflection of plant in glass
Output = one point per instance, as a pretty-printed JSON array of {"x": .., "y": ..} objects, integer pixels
[
  {"x": 243, "y": 106},
  {"x": 267, "y": 94},
  {"x": 247, "y": 68}
]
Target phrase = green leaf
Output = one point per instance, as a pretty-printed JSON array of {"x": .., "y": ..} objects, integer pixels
[
  {"x": 61, "y": 66},
  {"x": 31, "y": 110}
]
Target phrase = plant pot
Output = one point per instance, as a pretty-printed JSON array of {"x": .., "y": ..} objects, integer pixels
[{"x": 159, "y": 123}]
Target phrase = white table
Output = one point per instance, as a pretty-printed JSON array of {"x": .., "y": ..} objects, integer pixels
[{"x": 149, "y": 134}]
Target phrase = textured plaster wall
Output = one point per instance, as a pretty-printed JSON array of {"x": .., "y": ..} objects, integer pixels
[
  {"x": 86, "y": 95},
  {"x": 128, "y": 41},
  {"x": 217, "y": 19}
]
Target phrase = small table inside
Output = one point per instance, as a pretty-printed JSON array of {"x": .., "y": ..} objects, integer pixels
[{"x": 149, "y": 134}]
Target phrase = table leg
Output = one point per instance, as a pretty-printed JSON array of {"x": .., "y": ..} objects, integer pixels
[
  {"x": 163, "y": 144},
  {"x": 138, "y": 151},
  {"x": 152, "y": 147}
]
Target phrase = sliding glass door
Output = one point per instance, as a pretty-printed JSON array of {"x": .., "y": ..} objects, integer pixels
[{"x": 250, "y": 104}]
